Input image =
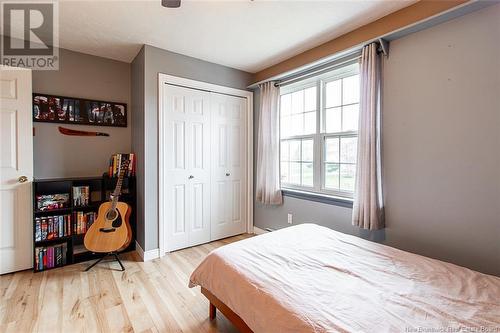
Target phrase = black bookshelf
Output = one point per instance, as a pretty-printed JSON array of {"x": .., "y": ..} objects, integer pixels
[{"x": 100, "y": 189}]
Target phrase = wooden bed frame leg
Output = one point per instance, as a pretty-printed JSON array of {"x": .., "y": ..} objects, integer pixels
[
  {"x": 212, "y": 311},
  {"x": 216, "y": 304}
]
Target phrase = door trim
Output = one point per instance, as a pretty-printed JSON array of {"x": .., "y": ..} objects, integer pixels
[{"x": 193, "y": 84}]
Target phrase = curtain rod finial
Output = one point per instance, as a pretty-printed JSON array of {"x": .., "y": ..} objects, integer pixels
[{"x": 384, "y": 46}]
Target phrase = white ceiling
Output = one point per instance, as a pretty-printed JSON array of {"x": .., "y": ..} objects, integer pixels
[{"x": 248, "y": 35}]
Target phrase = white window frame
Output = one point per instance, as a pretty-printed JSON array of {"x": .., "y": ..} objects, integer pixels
[{"x": 320, "y": 136}]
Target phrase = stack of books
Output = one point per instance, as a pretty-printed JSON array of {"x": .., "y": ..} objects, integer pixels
[
  {"x": 81, "y": 195},
  {"x": 82, "y": 221},
  {"x": 52, "y": 227},
  {"x": 51, "y": 256},
  {"x": 115, "y": 164}
]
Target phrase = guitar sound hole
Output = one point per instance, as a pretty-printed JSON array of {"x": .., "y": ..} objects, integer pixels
[
  {"x": 114, "y": 217},
  {"x": 111, "y": 215}
]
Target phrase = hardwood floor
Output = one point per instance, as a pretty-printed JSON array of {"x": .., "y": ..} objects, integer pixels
[{"x": 147, "y": 297}]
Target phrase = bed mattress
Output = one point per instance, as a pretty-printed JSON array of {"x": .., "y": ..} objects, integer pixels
[{"x": 309, "y": 278}]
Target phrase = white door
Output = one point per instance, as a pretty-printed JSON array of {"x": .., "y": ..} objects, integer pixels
[
  {"x": 186, "y": 188},
  {"x": 16, "y": 170},
  {"x": 229, "y": 147}
]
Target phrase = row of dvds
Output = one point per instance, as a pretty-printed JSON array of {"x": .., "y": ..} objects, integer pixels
[
  {"x": 115, "y": 164},
  {"x": 81, "y": 195},
  {"x": 82, "y": 221},
  {"x": 52, "y": 227},
  {"x": 51, "y": 256}
]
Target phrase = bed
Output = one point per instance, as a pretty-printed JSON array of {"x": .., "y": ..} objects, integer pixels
[{"x": 308, "y": 278}]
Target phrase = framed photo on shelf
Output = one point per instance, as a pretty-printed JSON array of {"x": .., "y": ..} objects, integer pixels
[{"x": 78, "y": 111}]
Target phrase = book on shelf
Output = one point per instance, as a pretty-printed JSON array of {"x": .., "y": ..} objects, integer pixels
[
  {"x": 82, "y": 221},
  {"x": 51, "y": 256},
  {"x": 81, "y": 195},
  {"x": 46, "y": 202},
  {"x": 116, "y": 161},
  {"x": 52, "y": 227},
  {"x": 50, "y": 232}
]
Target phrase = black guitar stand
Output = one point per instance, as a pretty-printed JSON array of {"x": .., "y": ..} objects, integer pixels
[{"x": 114, "y": 254}]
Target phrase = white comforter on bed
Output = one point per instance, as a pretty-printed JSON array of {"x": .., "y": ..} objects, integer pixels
[{"x": 309, "y": 278}]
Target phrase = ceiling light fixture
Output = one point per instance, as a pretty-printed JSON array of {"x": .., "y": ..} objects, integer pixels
[{"x": 171, "y": 3}]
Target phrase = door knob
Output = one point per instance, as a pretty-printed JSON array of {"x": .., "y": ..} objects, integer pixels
[
  {"x": 228, "y": 174},
  {"x": 22, "y": 179},
  {"x": 191, "y": 177}
]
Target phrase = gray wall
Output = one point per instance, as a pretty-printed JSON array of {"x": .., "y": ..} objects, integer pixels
[
  {"x": 441, "y": 155},
  {"x": 137, "y": 85},
  {"x": 156, "y": 61},
  {"x": 85, "y": 76}
]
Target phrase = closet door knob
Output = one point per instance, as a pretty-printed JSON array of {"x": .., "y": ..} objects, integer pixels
[
  {"x": 22, "y": 179},
  {"x": 191, "y": 177},
  {"x": 228, "y": 174}
]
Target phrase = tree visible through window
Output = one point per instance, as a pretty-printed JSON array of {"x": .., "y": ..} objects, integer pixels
[{"x": 319, "y": 132}]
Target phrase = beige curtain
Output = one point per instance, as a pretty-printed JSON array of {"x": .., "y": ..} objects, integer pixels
[
  {"x": 368, "y": 208},
  {"x": 268, "y": 175}
]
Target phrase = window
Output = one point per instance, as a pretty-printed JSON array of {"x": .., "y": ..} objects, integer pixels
[{"x": 319, "y": 132}]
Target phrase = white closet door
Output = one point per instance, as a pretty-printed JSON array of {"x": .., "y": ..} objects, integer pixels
[
  {"x": 16, "y": 170},
  {"x": 187, "y": 162},
  {"x": 229, "y": 148}
]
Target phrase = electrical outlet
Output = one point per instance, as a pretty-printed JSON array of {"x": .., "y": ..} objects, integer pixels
[{"x": 290, "y": 218}]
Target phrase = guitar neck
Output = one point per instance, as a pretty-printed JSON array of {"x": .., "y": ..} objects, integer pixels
[{"x": 118, "y": 188}]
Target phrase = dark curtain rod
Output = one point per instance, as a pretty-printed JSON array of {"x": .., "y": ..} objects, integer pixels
[{"x": 383, "y": 47}]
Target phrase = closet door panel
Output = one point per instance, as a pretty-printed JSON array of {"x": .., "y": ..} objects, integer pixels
[
  {"x": 175, "y": 185},
  {"x": 220, "y": 197},
  {"x": 236, "y": 208},
  {"x": 229, "y": 169},
  {"x": 179, "y": 211},
  {"x": 199, "y": 166},
  {"x": 187, "y": 164},
  {"x": 238, "y": 167}
]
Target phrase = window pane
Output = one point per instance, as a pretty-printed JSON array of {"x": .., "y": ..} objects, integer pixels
[
  {"x": 285, "y": 156},
  {"x": 310, "y": 123},
  {"x": 285, "y": 124},
  {"x": 294, "y": 150},
  {"x": 284, "y": 172},
  {"x": 331, "y": 176},
  {"x": 332, "y": 150},
  {"x": 350, "y": 90},
  {"x": 347, "y": 179},
  {"x": 307, "y": 150},
  {"x": 350, "y": 117},
  {"x": 294, "y": 173},
  {"x": 348, "y": 149},
  {"x": 297, "y": 124},
  {"x": 286, "y": 104},
  {"x": 307, "y": 174},
  {"x": 298, "y": 101},
  {"x": 333, "y": 93},
  {"x": 333, "y": 120},
  {"x": 310, "y": 99}
]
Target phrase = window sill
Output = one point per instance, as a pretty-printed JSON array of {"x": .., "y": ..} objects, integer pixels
[{"x": 317, "y": 197}]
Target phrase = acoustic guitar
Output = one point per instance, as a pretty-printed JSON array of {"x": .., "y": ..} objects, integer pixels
[{"x": 111, "y": 231}]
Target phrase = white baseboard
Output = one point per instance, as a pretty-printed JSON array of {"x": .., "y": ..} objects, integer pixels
[
  {"x": 146, "y": 255},
  {"x": 259, "y": 231}
]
